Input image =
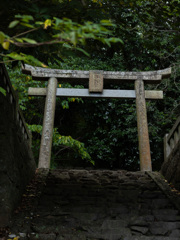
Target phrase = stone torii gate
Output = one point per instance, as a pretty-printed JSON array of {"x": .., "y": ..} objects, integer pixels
[{"x": 96, "y": 81}]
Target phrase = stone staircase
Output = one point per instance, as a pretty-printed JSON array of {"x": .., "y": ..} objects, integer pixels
[{"x": 96, "y": 205}]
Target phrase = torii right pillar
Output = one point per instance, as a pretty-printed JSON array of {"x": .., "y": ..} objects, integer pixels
[{"x": 142, "y": 124}]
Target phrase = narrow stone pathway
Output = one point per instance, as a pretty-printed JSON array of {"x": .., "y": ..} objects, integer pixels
[{"x": 95, "y": 205}]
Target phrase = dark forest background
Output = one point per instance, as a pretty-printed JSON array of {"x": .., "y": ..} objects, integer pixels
[{"x": 143, "y": 36}]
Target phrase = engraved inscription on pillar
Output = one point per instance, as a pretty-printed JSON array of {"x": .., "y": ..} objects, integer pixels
[{"x": 95, "y": 81}]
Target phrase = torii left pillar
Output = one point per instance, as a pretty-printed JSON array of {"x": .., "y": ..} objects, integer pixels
[{"x": 48, "y": 124}]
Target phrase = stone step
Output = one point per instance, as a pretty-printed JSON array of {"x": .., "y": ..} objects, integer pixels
[
  {"x": 150, "y": 238},
  {"x": 82, "y": 236},
  {"x": 101, "y": 205},
  {"x": 110, "y": 209}
]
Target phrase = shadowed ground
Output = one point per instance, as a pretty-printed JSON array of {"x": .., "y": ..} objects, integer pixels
[{"x": 95, "y": 205}]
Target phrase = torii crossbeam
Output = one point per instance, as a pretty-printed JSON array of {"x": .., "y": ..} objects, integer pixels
[{"x": 96, "y": 81}]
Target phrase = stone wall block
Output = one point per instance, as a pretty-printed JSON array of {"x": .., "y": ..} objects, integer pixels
[
  {"x": 171, "y": 168},
  {"x": 16, "y": 158}
]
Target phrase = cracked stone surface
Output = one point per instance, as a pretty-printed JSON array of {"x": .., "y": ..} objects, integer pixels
[{"x": 97, "y": 205}]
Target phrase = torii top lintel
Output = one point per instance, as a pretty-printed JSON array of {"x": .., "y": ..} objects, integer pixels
[{"x": 77, "y": 76}]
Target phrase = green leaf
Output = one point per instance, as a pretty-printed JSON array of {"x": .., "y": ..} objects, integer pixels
[
  {"x": 67, "y": 46},
  {"x": 3, "y": 91},
  {"x": 5, "y": 45},
  {"x": 106, "y": 41},
  {"x": 2, "y": 37},
  {"x": 32, "y": 41},
  {"x": 39, "y": 23},
  {"x": 47, "y": 23},
  {"x": 15, "y": 56},
  {"x": 25, "y": 18},
  {"x": 35, "y": 128},
  {"x": 13, "y": 23},
  {"x": 73, "y": 37},
  {"x": 107, "y": 23},
  {"x": 27, "y": 25},
  {"x": 115, "y": 40},
  {"x": 58, "y": 21},
  {"x": 32, "y": 60},
  {"x": 81, "y": 50},
  {"x": 19, "y": 40},
  {"x": 26, "y": 58}
]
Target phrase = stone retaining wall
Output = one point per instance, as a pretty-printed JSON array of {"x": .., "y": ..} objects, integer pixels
[
  {"x": 171, "y": 168},
  {"x": 17, "y": 165}
]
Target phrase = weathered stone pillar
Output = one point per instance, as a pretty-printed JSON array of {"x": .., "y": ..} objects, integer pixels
[
  {"x": 48, "y": 124},
  {"x": 167, "y": 149},
  {"x": 143, "y": 135}
]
